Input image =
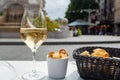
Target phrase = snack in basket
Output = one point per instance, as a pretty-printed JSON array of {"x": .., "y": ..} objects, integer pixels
[
  {"x": 98, "y": 52},
  {"x": 85, "y": 53},
  {"x": 62, "y": 53},
  {"x": 106, "y": 68}
]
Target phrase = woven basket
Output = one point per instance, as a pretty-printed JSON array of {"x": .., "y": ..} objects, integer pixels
[{"x": 97, "y": 68}]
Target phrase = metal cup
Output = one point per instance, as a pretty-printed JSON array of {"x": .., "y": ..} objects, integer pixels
[{"x": 57, "y": 68}]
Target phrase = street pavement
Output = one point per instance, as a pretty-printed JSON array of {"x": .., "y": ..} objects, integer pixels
[{"x": 15, "y": 49}]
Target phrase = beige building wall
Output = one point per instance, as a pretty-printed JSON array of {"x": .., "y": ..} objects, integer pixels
[
  {"x": 117, "y": 11},
  {"x": 117, "y": 17},
  {"x": 13, "y": 11}
]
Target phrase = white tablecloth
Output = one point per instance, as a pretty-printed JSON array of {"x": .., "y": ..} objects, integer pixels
[{"x": 22, "y": 67}]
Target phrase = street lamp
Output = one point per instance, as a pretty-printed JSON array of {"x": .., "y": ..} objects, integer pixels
[{"x": 89, "y": 11}]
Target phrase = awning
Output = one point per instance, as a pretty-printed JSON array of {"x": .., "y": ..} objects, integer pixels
[{"x": 81, "y": 23}]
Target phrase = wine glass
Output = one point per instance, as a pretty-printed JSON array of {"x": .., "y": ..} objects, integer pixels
[{"x": 33, "y": 32}]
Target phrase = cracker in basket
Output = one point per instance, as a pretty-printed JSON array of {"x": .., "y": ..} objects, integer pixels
[
  {"x": 62, "y": 53},
  {"x": 85, "y": 53},
  {"x": 100, "y": 53}
]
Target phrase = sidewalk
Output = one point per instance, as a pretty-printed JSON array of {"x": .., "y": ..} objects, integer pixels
[
  {"x": 14, "y": 49},
  {"x": 84, "y": 39}
]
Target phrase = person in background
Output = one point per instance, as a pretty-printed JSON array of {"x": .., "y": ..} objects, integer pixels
[{"x": 75, "y": 32}]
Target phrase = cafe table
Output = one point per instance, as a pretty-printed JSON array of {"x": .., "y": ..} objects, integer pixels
[{"x": 22, "y": 67}]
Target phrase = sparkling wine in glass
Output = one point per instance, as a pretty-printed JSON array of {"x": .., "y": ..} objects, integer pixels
[{"x": 33, "y": 32}]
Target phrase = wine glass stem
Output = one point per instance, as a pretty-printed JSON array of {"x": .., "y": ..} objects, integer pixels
[{"x": 34, "y": 59}]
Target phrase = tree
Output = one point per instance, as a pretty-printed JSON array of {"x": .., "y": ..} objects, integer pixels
[{"x": 75, "y": 7}]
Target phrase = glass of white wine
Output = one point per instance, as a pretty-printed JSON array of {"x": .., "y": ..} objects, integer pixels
[{"x": 33, "y": 32}]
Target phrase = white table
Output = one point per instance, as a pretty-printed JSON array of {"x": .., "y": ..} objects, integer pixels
[{"x": 22, "y": 67}]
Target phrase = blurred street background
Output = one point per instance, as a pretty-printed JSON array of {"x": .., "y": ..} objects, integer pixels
[
  {"x": 19, "y": 51},
  {"x": 71, "y": 24}
]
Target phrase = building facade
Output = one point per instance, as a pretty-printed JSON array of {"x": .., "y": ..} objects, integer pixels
[
  {"x": 107, "y": 10},
  {"x": 117, "y": 17},
  {"x": 14, "y": 9},
  {"x": 107, "y": 16},
  {"x": 117, "y": 11},
  {"x": 12, "y": 12}
]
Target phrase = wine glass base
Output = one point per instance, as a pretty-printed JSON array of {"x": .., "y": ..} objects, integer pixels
[{"x": 33, "y": 76}]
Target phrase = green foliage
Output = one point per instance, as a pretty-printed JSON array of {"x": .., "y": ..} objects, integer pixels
[
  {"x": 38, "y": 22},
  {"x": 51, "y": 25},
  {"x": 74, "y": 9}
]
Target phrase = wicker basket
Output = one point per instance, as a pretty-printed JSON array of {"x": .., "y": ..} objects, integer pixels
[{"x": 97, "y": 68}]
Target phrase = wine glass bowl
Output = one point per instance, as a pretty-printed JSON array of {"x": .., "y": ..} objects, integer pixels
[
  {"x": 33, "y": 32},
  {"x": 33, "y": 37}
]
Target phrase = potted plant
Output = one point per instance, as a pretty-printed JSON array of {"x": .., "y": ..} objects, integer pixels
[{"x": 52, "y": 25}]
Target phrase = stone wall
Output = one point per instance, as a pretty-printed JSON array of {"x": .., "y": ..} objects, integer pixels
[{"x": 10, "y": 32}]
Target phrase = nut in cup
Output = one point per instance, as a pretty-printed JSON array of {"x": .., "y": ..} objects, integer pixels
[{"x": 57, "y": 65}]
